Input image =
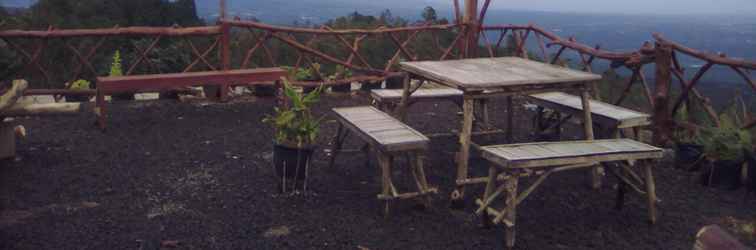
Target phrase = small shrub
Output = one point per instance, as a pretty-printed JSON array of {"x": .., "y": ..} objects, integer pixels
[{"x": 294, "y": 123}]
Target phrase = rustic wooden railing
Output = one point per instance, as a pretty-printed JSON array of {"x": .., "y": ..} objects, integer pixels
[
  {"x": 83, "y": 45},
  {"x": 347, "y": 49}
]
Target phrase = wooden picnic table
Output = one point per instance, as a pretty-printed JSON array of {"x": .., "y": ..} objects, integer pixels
[{"x": 483, "y": 78}]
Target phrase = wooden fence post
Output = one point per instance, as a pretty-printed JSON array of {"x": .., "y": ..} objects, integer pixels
[
  {"x": 662, "y": 122},
  {"x": 473, "y": 28},
  {"x": 225, "y": 55}
]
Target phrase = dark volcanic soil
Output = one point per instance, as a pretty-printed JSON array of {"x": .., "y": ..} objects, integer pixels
[{"x": 201, "y": 175}]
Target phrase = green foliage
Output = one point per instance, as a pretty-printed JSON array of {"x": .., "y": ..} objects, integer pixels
[
  {"x": 80, "y": 84},
  {"x": 107, "y": 13},
  {"x": 429, "y": 14},
  {"x": 115, "y": 67},
  {"x": 304, "y": 74},
  {"x": 726, "y": 142},
  {"x": 294, "y": 123},
  {"x": 341, "y": 73}
]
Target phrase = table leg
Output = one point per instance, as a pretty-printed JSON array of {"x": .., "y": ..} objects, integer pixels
[
  {"x": 511, "y": 211},
  {"x": 464, "y": 150},
  {"x": 402, "y": 109},
  {"x": 510, "y": 122},
  {"x": 588, "y": 129},
  {"x": 650, "y": 191}
]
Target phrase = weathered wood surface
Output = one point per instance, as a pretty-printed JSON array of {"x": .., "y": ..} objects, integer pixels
[
  {"x": 484, "y": 73},
  {"x": 11, "y": 95},
  {"x": 115, "y": 84},
  {"x": 381, "y": 130},
  {"x": 604, "y": 113},
  {"x": 714, "y": 237},
  {"x": 566, "y": 153},
  {"x": 39, "y": 109},
  {"x": 395, "y": 95}
]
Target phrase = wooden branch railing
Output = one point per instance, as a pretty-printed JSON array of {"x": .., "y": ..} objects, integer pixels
[
  {"x": 347, "y": 47},
  {"x": 350, "y": 43},
  {"x": 86, "y": 46}
]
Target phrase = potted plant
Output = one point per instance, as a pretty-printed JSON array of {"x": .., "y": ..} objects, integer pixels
[
  {"x": 80, "y": 84},
  {"x": 116, "y": 69},
  {"x": 296, "y": 131},
  {"x": 341, "y": 74},
  {"x": 726, "y": 149},
  {"x": 689, "y": 151}
]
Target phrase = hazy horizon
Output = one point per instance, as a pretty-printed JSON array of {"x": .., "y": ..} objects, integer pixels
[{"x": 637, "y": 7}]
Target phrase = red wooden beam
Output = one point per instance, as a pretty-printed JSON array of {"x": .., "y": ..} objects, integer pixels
[{"x": 112, "y": 85}]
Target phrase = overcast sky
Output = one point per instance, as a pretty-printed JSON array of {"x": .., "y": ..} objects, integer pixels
[{"x": 629, "y": 6}]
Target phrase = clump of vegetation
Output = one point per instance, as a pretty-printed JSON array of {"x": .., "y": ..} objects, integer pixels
[
  {"x": 728, "y": 142},
  {"x": 304, "y": 73},
  {"x": 115, "y": 67},
  {"x": 81, "y": 84},
  {"x": 294, "y": 123},
  {"x": 341, "y": 73}
]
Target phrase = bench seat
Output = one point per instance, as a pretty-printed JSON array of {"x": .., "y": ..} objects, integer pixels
[
  {"x": 603, "y": 113},
  {"x": 381, "y": 130},
  {"x": 390, "y": 138},
  {"x": 395, "y": 95},
  {"x": 567, "y": 153},
  {"x": 517, "y": 161},
  {"x": 156, "y": 82}
]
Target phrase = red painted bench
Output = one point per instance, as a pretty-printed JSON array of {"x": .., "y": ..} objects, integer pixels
[{"x": 158, "y": 82}]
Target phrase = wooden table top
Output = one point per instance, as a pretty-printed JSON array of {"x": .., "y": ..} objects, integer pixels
[{"x": 488, "y": 73}]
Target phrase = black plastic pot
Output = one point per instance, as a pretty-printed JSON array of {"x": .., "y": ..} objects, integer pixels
[
  {"x": 123, "y": 97},
  {"x": 343, "y": 88},
  {"x": 751, "y": 178},
  {"x": 395, "y": 82},
  {"x": 77, "y": 98},
  {"x": 725, "y": 174},
  {"x": 688, "y": 154},
  {"x": 370, "y": 85},
  {"x": 291, "y": 162}
]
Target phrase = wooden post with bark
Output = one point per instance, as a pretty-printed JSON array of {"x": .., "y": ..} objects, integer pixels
[
  {"x": 662, "y": 122},
  {"x": 473, "y": 28}
]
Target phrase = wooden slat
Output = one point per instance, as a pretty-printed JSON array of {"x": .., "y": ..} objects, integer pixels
[
  {"x": 380, "y": 129},
  {"x": 395, "y": 95},
  {"x": 114, "y": 84},
  {"x": 485, "y": 73},
  {"x": 565, "y": 153},
  {"x": 605, "y": 113}
]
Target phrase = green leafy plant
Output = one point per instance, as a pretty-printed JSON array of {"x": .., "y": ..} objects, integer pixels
[
  {"x": 115, "y": 67},
  {"x": 682, "y": 135},
  {"x": 304, "y": 74},
  {"x": 81, "y": 84},
  {"x": 294, "y": 123},
  {"x": 341, "y": 73},
  {"x": 727, "y": 142}
]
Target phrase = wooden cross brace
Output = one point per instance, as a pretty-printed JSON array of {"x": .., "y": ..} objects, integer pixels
[{"x": 201, "y": 56}]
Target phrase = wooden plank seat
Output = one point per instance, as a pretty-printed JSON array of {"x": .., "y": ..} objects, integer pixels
[
  {"x": 610, "y": 117},
  {"x": 388, "y": 99},
  {"x": 394, "y": 96},
  {"x": 389, "y": 137},
  {"x": 512, "y": 162},
  {"x": 159, "y": 82}
]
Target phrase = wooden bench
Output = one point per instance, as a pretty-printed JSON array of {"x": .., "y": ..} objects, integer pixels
[
  {"x": 512, "y": 162},
  {"x": 388, "y": 98},
  {"x": 389, "y": 137},
  {"x": 610, "y": 117},
  {"x": 158, "y": 82}
]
